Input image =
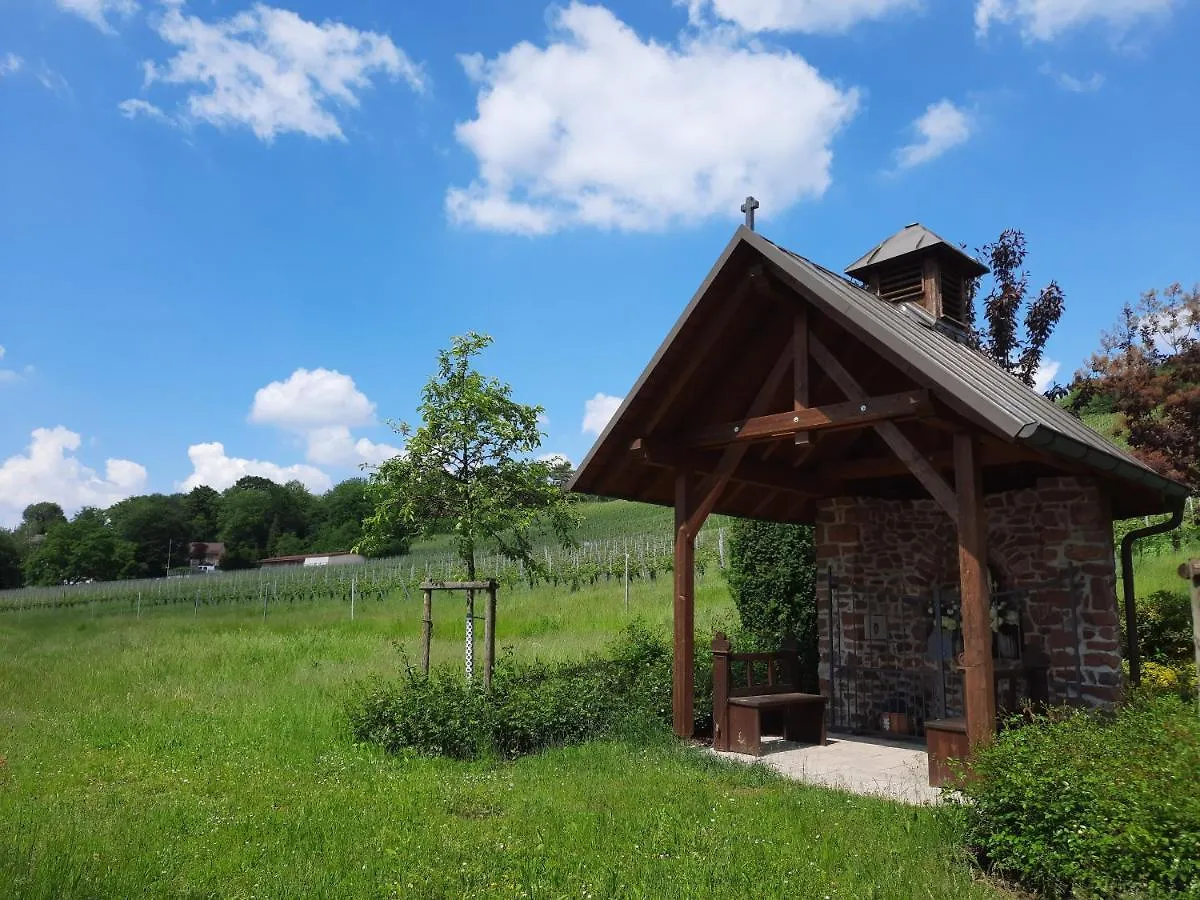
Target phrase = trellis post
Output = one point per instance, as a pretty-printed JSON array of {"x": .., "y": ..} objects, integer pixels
[{"x": 426, "y": 628}]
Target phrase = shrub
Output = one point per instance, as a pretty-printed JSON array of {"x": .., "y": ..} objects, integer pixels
[
  {"x": 1177, "y": 680},
  {"x": 531, "y": 706},
  {"x": 772, "y": 574},
  {"x": 1164, "y": 627},
  {"x": 1085, "y": 804}
]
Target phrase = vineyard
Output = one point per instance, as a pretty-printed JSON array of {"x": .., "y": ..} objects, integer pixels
[{"x": 608, "y": 550}]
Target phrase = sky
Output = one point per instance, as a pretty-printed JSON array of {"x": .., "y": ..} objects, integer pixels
[{"x": 233, "y": 236}]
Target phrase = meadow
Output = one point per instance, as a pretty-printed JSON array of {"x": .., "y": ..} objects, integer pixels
[{"x": 203, "y": 753}]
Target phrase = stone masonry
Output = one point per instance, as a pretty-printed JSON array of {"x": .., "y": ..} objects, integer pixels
[{"x": 1051, "y": 559}]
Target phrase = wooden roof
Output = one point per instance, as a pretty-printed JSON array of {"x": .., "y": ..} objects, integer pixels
[{"x": 725, "y": 375}]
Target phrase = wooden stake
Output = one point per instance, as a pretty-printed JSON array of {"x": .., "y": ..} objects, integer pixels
[
  {"x": 979, "y": 696},
  {"x": 682, "y": 673},
  {"x": 489, "y": 637},
  {"x": 426, "y": 630}
]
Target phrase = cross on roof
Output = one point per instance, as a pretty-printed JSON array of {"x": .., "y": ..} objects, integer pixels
[{"x": 748, "y": 208}]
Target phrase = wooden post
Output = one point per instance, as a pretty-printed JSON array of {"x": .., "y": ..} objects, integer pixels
[
  {"x": 426, "y": 630},
  {"x": 682, "y": 674},
  {"x": 720, "y": 653},
  {"x": 800, "y": 370},
  {"x": 979, "y": 698},
  {"x": 489, "y": 637}
]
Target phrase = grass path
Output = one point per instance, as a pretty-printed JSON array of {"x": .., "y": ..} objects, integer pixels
[{"x": 204, "y": 756}]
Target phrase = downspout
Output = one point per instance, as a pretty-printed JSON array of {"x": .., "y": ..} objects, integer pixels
[{"x": 1127, "y": 542}]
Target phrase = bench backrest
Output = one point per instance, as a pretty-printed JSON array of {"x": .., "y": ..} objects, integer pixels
[{"x": 753, "y": 674}]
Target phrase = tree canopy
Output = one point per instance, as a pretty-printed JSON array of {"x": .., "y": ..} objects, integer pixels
[{"x": 468, "y": 466}]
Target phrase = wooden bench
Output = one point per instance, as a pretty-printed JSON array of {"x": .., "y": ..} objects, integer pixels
[{"x": 768, "y": 690}]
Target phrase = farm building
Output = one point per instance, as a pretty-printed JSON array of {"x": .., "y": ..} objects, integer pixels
[
  {"x": 340, "y": 558},
  {"x": 206, "y": 554},
  {"x": 963, "y": 522}
]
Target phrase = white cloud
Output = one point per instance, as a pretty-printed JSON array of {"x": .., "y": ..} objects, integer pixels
[
  {"x": 600, "y": 128},
  {"x": 1044, "y": 20},
  {"x": 322, "y": 406},
  {"x": 9, "y": 376},
  {"x": 941, "y": 127},
  {"x": 50, "y": 471},
  {"x": 273, "y": 72},
  {"x": 1043, "y": 378},
  {"x": 597, "y": 412},
  {"x": 10, "y": 63},
  {"x": 1069, "y": 82},
  {"x": 99, "y": 12},
  {"x": 809, "y": 16},
  {"x": 310, "y": 399},
  {"x": 133, "y": 108},
  {"x": 212, "y": 467},
  {"x": 53, "y": 81},
  {"x": 334, "y": 446}
]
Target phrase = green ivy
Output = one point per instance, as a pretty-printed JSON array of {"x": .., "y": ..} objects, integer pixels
[{"x": 772, "y": 574}]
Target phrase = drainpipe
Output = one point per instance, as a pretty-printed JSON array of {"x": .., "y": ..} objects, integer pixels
[{"x": 1127, "y": 542}]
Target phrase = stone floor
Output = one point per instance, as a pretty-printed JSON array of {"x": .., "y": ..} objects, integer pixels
[{"x": 861, "y": 765}]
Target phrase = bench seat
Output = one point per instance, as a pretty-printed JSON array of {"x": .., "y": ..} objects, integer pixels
[{"x": 777, "y": 701}]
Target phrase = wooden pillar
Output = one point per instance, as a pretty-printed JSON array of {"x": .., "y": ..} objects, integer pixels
[
  {"x": 489, "y": 636},
  {"x": 682, "y": 673},
  {"x": 720, "y": 655},
  {"x": 979, "y": 698},
  {"x": 426, "y": 630}
]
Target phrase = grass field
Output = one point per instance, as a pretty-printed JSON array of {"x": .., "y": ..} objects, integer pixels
[{"x": 204, "y": 755}]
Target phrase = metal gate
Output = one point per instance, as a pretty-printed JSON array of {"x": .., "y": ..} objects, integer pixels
[{"x": 892, "y": 659}]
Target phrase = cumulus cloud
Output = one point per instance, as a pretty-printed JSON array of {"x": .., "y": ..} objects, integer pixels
[
  {"x": 809, "y": 16},
  {"x": 334, "y": 445},
  {"x": 1043, "y": 378},
  {"x": 598, "y": 411},
  {"x": 269, "y": 70},
  {"x": 1044, "y": 20},
  {"x": 211, "y": 466},
  {"x": 49, "y": 470},
  {"x": 10, "y": 63},
  {"x": 312, "y": 398},
  {"x": 941, "y": 127},
  {"x": 322, "y": 406},
  {"x": 601, "y": 128},
  {"x": 100, "y": 12}
]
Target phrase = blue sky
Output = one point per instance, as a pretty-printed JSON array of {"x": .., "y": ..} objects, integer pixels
[{"x": 253, "y": 226}]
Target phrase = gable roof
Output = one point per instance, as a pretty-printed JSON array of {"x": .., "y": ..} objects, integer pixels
[
  {"x": 908, "y": 240},
  {"x": 960, "y": 378}
]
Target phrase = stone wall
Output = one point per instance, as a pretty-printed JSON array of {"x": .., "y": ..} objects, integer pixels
[{"x": 1051, "y": 559}]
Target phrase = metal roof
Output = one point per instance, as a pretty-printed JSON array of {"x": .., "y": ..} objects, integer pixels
[
  {"x": 677, "y": 386},
  {"x": 911, "y": 239}
]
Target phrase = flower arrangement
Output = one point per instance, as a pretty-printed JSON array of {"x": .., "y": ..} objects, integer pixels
[{"x": 1003, "y": 612}]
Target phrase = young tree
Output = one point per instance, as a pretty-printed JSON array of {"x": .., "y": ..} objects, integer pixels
[
  {"x": 1017, "y": 350},
  {"x": 468, "y": 464},
  {"x": 1149, "y": 365}
]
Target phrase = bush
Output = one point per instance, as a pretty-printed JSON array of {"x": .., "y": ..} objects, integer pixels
[
  {"x": 1087, "y": 805},
  {"x": 1175, "y": 680},
  {"x": 772, "y": 574},
  {"x": 1164, "y": 627},
  {"x": 531, "y": 706}
]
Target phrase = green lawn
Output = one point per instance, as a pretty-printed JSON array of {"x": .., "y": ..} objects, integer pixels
[{"x": 203, "y": 755}]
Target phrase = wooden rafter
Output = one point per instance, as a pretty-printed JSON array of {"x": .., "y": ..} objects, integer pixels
[
  {"x": 800, "y": 380},
  {"x": 856, "y": 413},
  {"x": 891, "y": 434},
  {"x": 889, "y": 466},
  {"x": 710, "y": 491},
  {"x": 779, "y": 477}
]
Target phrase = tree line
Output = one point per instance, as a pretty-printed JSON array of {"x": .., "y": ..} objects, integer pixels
[{"x": 141, "y": 536}]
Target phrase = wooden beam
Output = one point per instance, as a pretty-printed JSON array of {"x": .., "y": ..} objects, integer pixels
[
  {"x": 778, "y": 477},
  {"x": 856, "y": 413},
  {"x": 979, "y": 697},
  {"x": 711, "y": 491},
  {"x": 892, "y": 436},
  {"x": 888, "y": 466},
  {"x": 684, "y": 653},
  {"x": 800, "y": 381}
]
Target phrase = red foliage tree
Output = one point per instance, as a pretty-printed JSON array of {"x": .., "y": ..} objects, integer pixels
[{"x": 1149, "y": 365}]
